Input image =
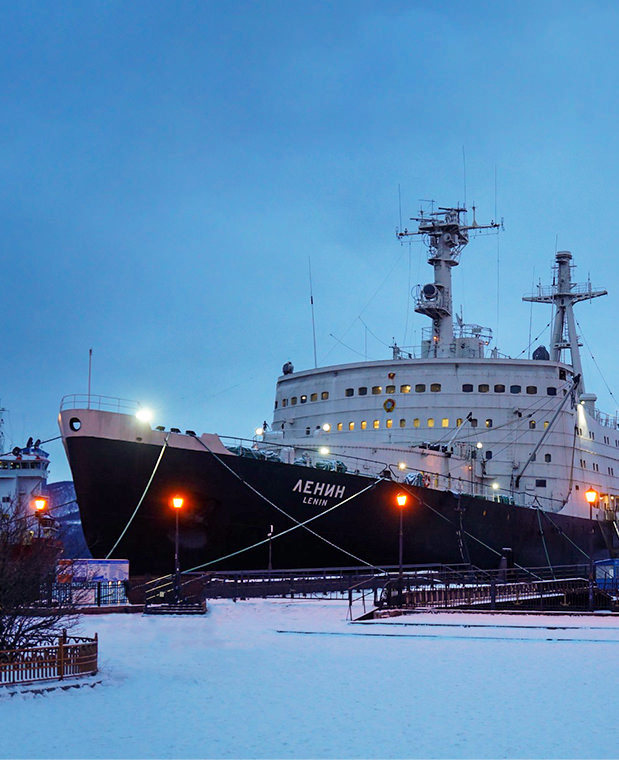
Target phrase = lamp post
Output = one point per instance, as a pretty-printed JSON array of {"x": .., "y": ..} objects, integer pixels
[
  {"x": 591, "y": 495},
  {"x": 401, "y": 500},
  {"x": 177, "y": 504},
  {"x": 40, "y": 508}
]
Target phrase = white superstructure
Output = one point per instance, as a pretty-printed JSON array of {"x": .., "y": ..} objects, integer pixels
[{"x": 522, "y": 431}]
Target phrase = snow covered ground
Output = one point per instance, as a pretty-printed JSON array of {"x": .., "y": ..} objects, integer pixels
[{"x": 286, "y": 679}]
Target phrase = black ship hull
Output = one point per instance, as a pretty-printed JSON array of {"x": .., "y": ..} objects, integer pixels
[{"x": 229, "y": 504}]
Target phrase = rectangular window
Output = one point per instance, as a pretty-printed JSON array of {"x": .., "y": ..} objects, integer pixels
[
  {"x": 349, "y": 392},
  {"x": 351, "y": 425},
  {"x": 458, "y": 421},
  {"x": 314, "y": 397},
  {"x": 324, "y": 395},
  {"x": 276, "y": 404},
  {"x": 390, "y": 389},
  {"x": 473, "y": 422},
  {"x": 405, "y": 389},
  {"x": 362, "y": 391},
  {"x": 515, "y": 388},
  {"x": 284, "y": 402},
  {"x": 339, "y": 426},
  {"x": 483, "y": 388},
  {"x": 416, "y": 422},
  {"x": 420, "y": 388},
  {"x": 499, "y": 388},
  {"x": 445, "y": 422},
  {"x": 303, "y": 399},
  {"x": 467, "y": 388},
  {"x": 540, "y": 483},
  {"x": 376, "y": 424},
  {"x": 293, "y": 401},
  {"x": 377, "y": 389},
  {"x": 435, "y": 387},
  {"x": 531, "y": 390},
  {"x": 562, "y": 375},
  {"x": 532, "y": 424},
  {"x": 430, "y": 421},
  {"x": 546, "y": 423},
  {"x": 551, "y": 391},
  {"x": 488, "y": 423},
  {"x": 402, "y": 423},
  {"x": 389, "y": 422},
  {"x": 364, "y": 424}
]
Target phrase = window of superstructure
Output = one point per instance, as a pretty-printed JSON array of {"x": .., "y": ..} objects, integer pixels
[
  {"x": 488, "y": 455},
  {"x": 351, "y": 425},
  {"x": 540, "y": 483},
  {"x": 531, "y": 390},
  {"x": 314, "y": 397},
  {"x": 377, "y": 389},
  {"x": 562, "y": 374},
  {"x": 293, "y": 401},
  {"x": 390, "y": 389},
  {"x": 515, "y": 388},
  {"x": 276, "y": 403},
  {"x": 324, "y": 395},
  {"x": 473, "y": 422},
  {"x": 532, "y": 424},
  {"x": 430, "y": 422},
  {"x": 402, "y": 423},
  {"x": 364, "y": 424},
  {"x": 488, "y": 423},
  {"x": 339, "y": 427},
  {"x": 467, "y": 388},
  {"x": 435, "y": 388},
  {"x": 500, "y": 388},
  {"x": 458, "y": 421},
  {"x": 376, "y": 424},
  {"x": 303, "y": 399},
  {"x": 445, "y": 422},
  {"x": 405, "y": 389},
  {"x": 284, "y": 402},
  {"x": 308, "y": 430},
  {"x": 349, "y": 392},
  {"x": 551, "y": 391},
  {"x": 420, "y": 388},
  {"x": 389, "y": 422},
  {"x": 483, "y": 388},
  {"x": 547, "y": 457},
  {"x": 416, "y": 422},
  {"x": 362, "y": 391},
  {"x": 546, "y": 423}
]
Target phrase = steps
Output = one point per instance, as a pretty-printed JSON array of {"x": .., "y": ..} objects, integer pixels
[{"x": 176, "y": 608}]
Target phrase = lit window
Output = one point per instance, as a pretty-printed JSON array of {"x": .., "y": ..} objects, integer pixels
[
  {"x": 531, "y": 390},
  {"x": 324, "y": 395},
  {"x": 303, "y": 399},
  {"x": 420, "y": 388},
  {"x": 488, "y": 423},
  {"x": 390, "y": 389},
  {"x": 293, "y": 401},
  {"x": 445, "y": 422},
  {"x": 284, "y": 402},
  {"x": 435, "y": 387},
  {"x": 499, "y": 388},
  {"x": 546, "y": 423},
  {"x": 402, "y": 423},
  {"x": 364, "y": 424},
  {"x": 377, "y": 389},
  {"x": 532, "y": 424},
  {"x": 314, "y": 397},
  {"x": 363, "y": 391},
  {"x": 514, "y": 389},
  {"x": 483, "y": 388},
  {"x": 458, "y": 421},
  {"x": 349, "y": 392},
  {"x": 430, "y": 421},
  {"x": 376, "y": 424},
  {"x": 351, "y": 425},
  {"x": 405, "y": 389},
  {"x": 339, "y": 426},
  {"x": 551, "y": 391},
  {"x": 389, "y": 423},
  {"x": 416, "y": 422}
]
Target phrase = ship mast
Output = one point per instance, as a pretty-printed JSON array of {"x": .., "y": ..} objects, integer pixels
[
  {"x": 446, "y": 236},
  {"x": 563, "y": 293}
]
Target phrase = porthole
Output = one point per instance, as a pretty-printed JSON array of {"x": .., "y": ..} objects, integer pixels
[{"x": 75, "y": 424}]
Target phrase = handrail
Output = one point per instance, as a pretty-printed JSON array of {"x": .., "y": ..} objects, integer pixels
[{"x": 100, "y": 403}]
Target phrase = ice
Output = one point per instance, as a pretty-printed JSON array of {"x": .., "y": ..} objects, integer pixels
[{"x": 287, "y": 678}]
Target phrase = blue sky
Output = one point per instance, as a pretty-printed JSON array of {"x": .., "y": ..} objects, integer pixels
[{"x": 169, "y": 168}]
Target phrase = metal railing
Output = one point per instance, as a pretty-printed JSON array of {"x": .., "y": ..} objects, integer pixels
[
  {"x": 90, "y": 593},
  {"x": 70, "y": 657},
  {"x": 100, "y": 403}
]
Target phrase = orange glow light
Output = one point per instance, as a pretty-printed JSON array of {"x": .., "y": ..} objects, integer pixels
[
  {"x": 40, "y": 503},
  {"x": 591, "y": 495},
  {"x": 401, "y": 498},
  {"x": 177, "y": 502}
]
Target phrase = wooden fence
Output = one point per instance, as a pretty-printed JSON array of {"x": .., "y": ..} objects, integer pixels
[{"x": 71, "y": 657}]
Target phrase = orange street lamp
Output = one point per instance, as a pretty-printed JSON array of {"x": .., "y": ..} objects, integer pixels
[
  {"x": 40, "y": 504},
  {"x": 591, "y": 495},
  {"x": 401, "y": 500},
  {"x": 177, "y": 504}
]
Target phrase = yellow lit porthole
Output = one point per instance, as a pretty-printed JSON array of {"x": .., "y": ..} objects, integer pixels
[
  {"x": 376, "y": 424},
  {"x": 339, "y": 426},
  {"x": 364, "y": 424},
  {"x": 445, "y": 422},
  {"x": 405, "y": 389},
  {"x": 458, "y": 421},
  {"x": 351, "y": 425},
  {"x": 416, "y": 422},
  {"x": 389, "y": 423},
  {"x": 430, "y": 422}
]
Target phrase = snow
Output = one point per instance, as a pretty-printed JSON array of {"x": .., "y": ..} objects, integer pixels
[{"x": 289, "y": 678}]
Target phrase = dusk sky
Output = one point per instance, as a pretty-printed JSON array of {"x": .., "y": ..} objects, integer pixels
[{"x": 168, "y": 169}]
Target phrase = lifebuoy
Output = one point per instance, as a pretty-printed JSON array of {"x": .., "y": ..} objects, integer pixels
[
  {"x": 426, "y": 481},
  {"x": 389, "y": 405}
]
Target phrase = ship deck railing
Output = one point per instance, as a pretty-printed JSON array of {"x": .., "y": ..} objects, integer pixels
[{"x": 99, "y": 403}]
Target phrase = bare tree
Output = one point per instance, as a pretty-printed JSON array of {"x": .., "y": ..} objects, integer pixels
[{"x": 30, "y": 610}]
